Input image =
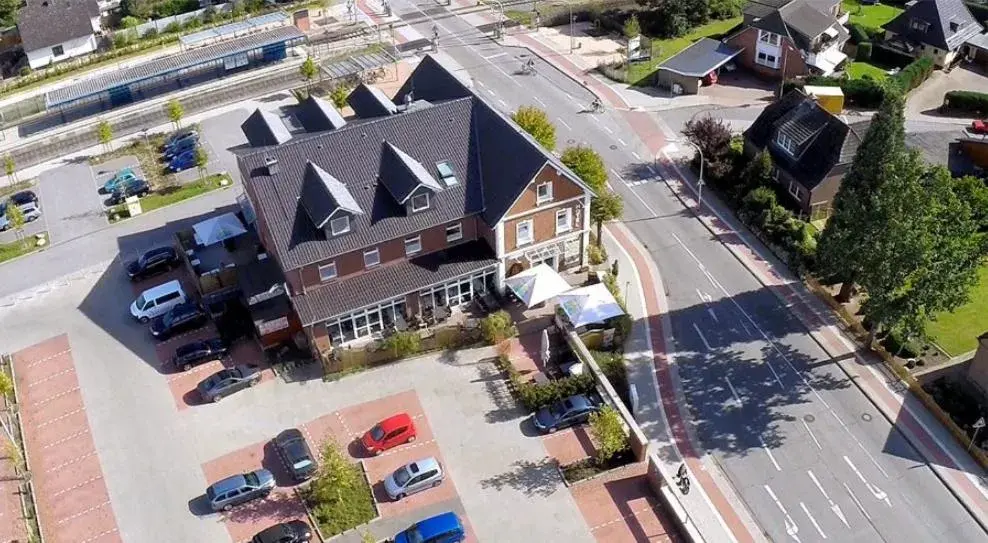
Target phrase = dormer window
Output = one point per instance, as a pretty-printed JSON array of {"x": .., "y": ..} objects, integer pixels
[
  {"x": 954, "y": 26},
  {"x": 543, "y": 193},
  {"x": 919, "y": 25},
  {"x": 786, "y": 143},
  {"x": 420, "y": 202},
  {"x": 446, "y": 174},
  {"x": 339, "y": 225},
  {"x": 770, "y": 38}
]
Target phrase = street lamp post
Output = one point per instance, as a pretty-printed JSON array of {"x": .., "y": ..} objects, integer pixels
[
  {"x": 978, "y": 425},
  {"x": 572, "y": 35}
]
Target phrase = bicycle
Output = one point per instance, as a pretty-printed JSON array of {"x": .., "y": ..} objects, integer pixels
[
  {"x": 528, "y": 68},
  {"x": 597, "y": 106}
]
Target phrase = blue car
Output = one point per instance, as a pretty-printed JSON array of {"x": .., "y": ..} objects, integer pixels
[
  {"x": 442, "y": 528},
  {"x": 176, "y": 137},
  {"x": 183, "y": 161},
  {"x": 180, "y": 147},
  {"x": 121, "y": 177}
]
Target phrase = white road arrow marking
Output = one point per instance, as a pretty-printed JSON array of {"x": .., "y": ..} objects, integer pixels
[
  {"x": 791, "y": 528},
  {"x": 706, "y": 299},
  {"x": 812, "y": 520},
  {"x": 833, "y": 506},
  {"x": 734, "y": 392},
  {"x": 878, "y": 493}
]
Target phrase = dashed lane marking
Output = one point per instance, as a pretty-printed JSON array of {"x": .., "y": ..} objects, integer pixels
[
  {"x": 70, "y": 462},
  {"x": 76, "y": 487},
  {"x": 56, "y": 396},
  {"x": 64, "y": 439},
  {"x": 47, "y": 358},
  {"x": 60, "y": 417}
]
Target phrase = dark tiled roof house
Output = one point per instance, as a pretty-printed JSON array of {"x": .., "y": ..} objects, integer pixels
[
  {"x": 54, "y": 30},
  {"x": 811, "y": 148},
  {"x": 791, "y": 37},
  {"x": 934, "y": 28},
  {"x": 422, "y": 200}
]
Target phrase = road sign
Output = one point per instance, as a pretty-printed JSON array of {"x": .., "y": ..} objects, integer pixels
[{"x": 980, "y": 423}]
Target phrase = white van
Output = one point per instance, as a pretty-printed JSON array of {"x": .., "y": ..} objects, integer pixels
[{"x": 157, "y": 300}]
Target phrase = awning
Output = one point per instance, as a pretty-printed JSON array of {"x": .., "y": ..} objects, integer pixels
[
  {"x": 589, "y": 305},
  {"x": 218, "y": 229},
  {"x": 827, "y": 61},
  {"x": 536, "y": 285}
]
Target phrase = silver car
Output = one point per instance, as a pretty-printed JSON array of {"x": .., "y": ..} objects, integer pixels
[
  {"x": 238, "y": 489},
  {"x": 414, "y": 477}
]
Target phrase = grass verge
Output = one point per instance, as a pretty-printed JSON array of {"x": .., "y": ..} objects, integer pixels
[
  {"x": 957, "y": 332},
  {"x": 170, "y": 195},
  {"x": 15, "y": 187},
  {"x": 21, "y": 247},
  {"x": 662, "y": 50},
  {"x": 873, "y": 16},
  {"x": 858, "y": 70}
]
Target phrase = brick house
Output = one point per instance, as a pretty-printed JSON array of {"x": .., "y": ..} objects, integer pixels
[
  {"x": 423, "y": 200},
  {"x": 790, "y": 38},
  {"x": 811, "y": 148}
]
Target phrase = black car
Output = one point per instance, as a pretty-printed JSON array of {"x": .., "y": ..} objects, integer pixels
[
  {"x": 197, "y": 352},
  {"x": 295, "y": 453},
  {"x": 152, "y": 262},
  {"x": 24, "y": 197},
  {"x": 187, "y": 316},
  {"x": 131, "y": 187},
  {"x": 293, "y": 531}
]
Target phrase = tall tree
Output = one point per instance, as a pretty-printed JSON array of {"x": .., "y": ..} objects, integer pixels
[
  {"x": 847, "y": 239},
  {"x": 8, "y": 12},
  {"x": 535, "y": 121},
  {"x": 713, "y": 137},
  {"x": 757, "y": 173},
  {"x": 924, "y": 258},
  {"x": 10, "y": 168},
  {"x": 606, "y": 206},
  {"x": 972, "y": 190},
  {"x": 309, "y": 71},
  {"x": 202, "y": 160},
  {"x": 104, "y": 134},
  {"x": 175, "y": 112},
  {"x": 673, "y": 18},
  {"x": 15, "y": 219},
  {"x": 587, "y": 165}
]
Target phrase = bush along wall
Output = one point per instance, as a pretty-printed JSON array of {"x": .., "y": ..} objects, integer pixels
[{"x": 975, "y": 103}]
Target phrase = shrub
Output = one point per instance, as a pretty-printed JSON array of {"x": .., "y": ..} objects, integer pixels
[
  {"x": 914, "y": 74},
  {"x": 865, "y": 93},
  {"x": 535, "y": 396},
  {"x": 607, "y": 430},
  {"x": 497, "y": 327},
  {"x": 150, "y": 33},
  {"x": 858, "y": 33},
  {"x": 864, "y": 52},
  {"x": 756, "y": 203},
  {"x": 130, "y": 22},
  {"x": 339, "y": 495},
  {"x": 173, "y": 27},
  {"x": 339, "y": 95},
  {"x": 966, "y": 102},
  {"x": 404, "y": 344},
  {"x": 25, "y": 71},
  {"x": 596, "y": 254}
]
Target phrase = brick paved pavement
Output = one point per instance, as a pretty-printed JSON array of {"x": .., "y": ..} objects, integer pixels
[{"x": 12, "y": 526}]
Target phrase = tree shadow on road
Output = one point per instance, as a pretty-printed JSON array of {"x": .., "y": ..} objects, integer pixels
[{"x": 540, "y": 478}]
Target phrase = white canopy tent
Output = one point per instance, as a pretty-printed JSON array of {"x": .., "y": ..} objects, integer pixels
[
  {"x": 218, "y": 229},
  {"x": 589, "y": 305},
  {"x": 536, "y": 285}
]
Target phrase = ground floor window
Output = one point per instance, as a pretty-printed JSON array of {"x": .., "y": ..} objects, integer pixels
[
  {"x": 457, "y": 291},
  {"x": 366, "y": 322}
]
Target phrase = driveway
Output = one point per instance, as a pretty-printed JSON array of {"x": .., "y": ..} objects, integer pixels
[
  {"x": 222, "y": 133},
  {"x": 70, "y": 203},
  {"x": 923, "y": 102},
  {"x": 157, "y": 455}
]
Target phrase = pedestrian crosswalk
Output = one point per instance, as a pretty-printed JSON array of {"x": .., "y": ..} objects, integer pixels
[{"x": 640, "y": 182}]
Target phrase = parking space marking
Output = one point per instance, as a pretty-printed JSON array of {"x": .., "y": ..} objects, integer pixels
[
  {"x": 346, "y": 428},
  {"x": 99, "y": 536},
  {"x": 406, "y": 447},
  {"x": 64, "y": 439},
  {"x": 50, "y": 377},
  {"x": 60, "y": 417},
  {"x": 86, "y": 512},
  {"x": 56, "y": 396},
  {"x": 47, "y": 358},
  {"x": 623, "y": 518},
  {"x": 70, "y": 462}
]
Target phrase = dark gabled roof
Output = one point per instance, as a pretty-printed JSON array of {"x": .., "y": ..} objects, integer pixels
[
  {"x": 323, "y": 196},
  {"x": 699, "y": 59},
  {"x": 265, "y": 128},
  {"x": 317, "y": 115},
  {"x": 402, "y": 175},
  {"x": 761, "y": 8},
  {"x": 800, "y": 20},
  {"x": 368, "y": 102},
  {"x": 430, "y": 81},
  {"x": 824, "y": 140},
  {"x": 388, "y": 281},
  {"x": 44, "y": 23},
  {"x": 939, "y": 14},
  {"x": 774, "y": 23},
  {"x": 806, "y": 19}
]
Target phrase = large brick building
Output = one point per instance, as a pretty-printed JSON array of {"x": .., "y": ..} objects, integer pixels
[{"x": 426, "y": 199}]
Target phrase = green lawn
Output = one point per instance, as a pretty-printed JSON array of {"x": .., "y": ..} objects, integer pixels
[
  {"x": 663, "y": 49},
  {"x": 15, "y": 187},
  {"x": 172, "y": 195},
  {"x": 857, "y": 70},
  {"x": 958, "y": 332},
  {"x": 872, "y": 16},
  {"x": 21, "y": 247}
]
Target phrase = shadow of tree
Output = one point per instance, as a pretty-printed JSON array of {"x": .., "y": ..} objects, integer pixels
[
  {"x": 506, "y": 407},
  {"x": 533, "y": 478}
]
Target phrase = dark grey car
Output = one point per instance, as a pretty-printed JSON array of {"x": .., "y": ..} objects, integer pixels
[
  {"x": 295, "y": 453},
  {"x": 238, "y": 489},
  {"x": 227, "y": 381}
]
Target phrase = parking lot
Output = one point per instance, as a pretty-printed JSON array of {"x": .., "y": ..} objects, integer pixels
[{"x": 157, "y": 453}]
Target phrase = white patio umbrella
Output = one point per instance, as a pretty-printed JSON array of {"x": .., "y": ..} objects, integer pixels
[
  {"x": 536, "y": 285},
  {"x": 544, "y": 350},
  {"x": 589, "y": 305}
]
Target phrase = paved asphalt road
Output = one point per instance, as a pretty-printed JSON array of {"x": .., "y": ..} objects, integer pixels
[{"x": 805, "y": 449}]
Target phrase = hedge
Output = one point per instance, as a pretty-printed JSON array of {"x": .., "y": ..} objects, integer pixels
[
  {"x": 885, "y": 56},
  {"x": 978, "y": 10},
  {"x": 864, "y": 52},
  {"x": 914, "y": 74},
  {"x": 535, "y": 396},
  {"x": 966, "y": 101},
  {"x": 858, "y": 33}
]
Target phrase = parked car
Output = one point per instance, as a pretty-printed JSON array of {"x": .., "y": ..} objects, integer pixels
[
  {"x": 186, "y": 316},
  {"x": 442, "y": 528},
  {"x": 295, "y": 452},
  {"x": 979, "y": 126},
  {"x": 238, "y": 489},
  {"x": 179, "y": 136},
  {"x": 25, "y": 197},
  {"x": 293, "y": 531},
  {"x": 157, "y": 300},
  {"x": 118, "y": 179},
  {"x": 227, "y": 381},
  {"x": 414, "y": 477},
  {"x": 182, "y": 161},
  {"x": 30, "y": 211},
  {"x": 565, "y": 413},
  {"x": 181, "y": 146},
  {"x": 152, "y": 262},
  {"x": 197, "y": 352},
  {"x": 133, "y": 187},
  {"x": 389, "y": 433}
]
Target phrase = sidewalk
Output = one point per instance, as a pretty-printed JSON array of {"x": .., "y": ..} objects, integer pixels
[{"x": 718, "y": 514}]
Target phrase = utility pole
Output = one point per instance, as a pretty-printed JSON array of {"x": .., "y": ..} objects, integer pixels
[
  {"x": 387, "y": 8},
  {"x": 435, "y": 39},
  {"x": 978, "y": 425},
  {"x": 572, "y": 32}
]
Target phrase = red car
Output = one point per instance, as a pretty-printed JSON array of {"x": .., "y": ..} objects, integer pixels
[
  {"x": 979, "y": 127},
  {"x": 389, "y": 433}
]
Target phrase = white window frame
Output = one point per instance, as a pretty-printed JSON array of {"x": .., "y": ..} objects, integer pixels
[
  {"x": 344, "y": 230},
  {"x": 416, "y": 242},
  {"x": 774, "y": 64},
  {"x": 416, "y": 197},
  {"x": 377, "y": 258},
  {"x": 539, "y": 199},
  {"x": 323, "y": 276},
  {"x": 531, "y": 233},
  {"x": 795, "y": 190},
  {"x": 457, "y": 232},
  {"x": 786, "y": 143},
  {"x": 566, "y": 213},
  {"x": 770, "y": 38}
]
